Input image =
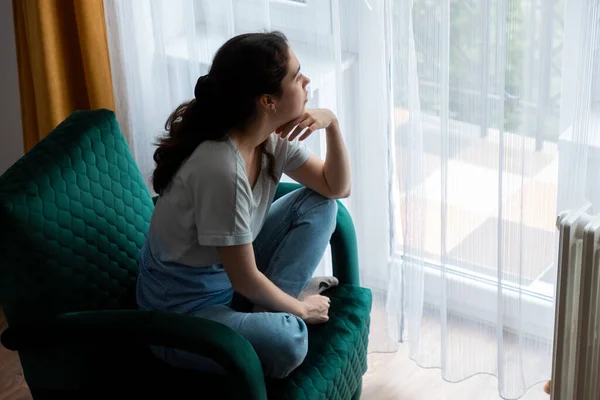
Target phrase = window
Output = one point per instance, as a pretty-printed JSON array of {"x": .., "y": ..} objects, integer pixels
[{"x": 491, "y": 105}]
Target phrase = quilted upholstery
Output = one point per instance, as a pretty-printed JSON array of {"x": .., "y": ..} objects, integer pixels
[
  {"x": 337, "y": 351},
  {"x": 78, "y": 200}
]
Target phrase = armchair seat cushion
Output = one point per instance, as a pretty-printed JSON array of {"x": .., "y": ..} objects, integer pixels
[{"x": 337, "y": 351}]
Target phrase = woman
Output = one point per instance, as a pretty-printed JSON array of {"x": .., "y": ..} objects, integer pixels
[{"x": 215, "y": 231}]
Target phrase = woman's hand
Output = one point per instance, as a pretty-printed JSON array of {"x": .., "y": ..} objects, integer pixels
[
  {"x": 311, "y": 120},
  {"x": 316, "y": 309}
]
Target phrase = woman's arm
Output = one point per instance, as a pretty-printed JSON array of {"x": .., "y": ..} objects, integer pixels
[
  {"x": 246, "y": 279},
  {"x": 330, "y": 178}
]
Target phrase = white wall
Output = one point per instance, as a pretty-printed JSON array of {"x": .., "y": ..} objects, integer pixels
[{"x": 11, "y": 138}]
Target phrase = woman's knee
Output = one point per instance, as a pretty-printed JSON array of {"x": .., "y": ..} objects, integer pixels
[
  {"x": 328, "y": 214},
  {"x": 330, "y": 206},
  {"x": 288, "y": 350},
  {"x": 320, "y": 206}
]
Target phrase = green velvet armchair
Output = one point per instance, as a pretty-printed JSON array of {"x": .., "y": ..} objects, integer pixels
[{"x": 74, "y": 212}]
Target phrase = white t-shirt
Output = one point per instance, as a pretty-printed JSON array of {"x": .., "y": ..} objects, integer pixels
[{"x": 210, "y": 203}]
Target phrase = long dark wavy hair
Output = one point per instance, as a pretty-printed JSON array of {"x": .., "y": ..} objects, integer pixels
[{"x": 244, "y": 68}]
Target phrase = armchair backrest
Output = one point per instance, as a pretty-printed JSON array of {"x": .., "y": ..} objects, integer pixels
[{"x": 74, "y": 212}]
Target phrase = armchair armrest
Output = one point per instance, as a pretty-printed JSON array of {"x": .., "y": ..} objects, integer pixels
[
  {"x": 203, "y": 337},
  {"x": 344, "y": 248}
]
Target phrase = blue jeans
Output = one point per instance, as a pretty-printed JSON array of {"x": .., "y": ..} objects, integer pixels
[{"x": 288, "y": 249}]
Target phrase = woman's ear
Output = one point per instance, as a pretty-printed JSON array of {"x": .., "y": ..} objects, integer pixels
[{"x": 267, "y": 103}]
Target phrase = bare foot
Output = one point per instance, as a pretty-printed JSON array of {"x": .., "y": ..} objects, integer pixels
[{"x": 548, "y": 387}]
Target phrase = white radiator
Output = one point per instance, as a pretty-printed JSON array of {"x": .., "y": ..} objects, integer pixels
[{"x": 576, "y": 358}]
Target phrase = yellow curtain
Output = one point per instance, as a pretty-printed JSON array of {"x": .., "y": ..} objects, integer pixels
[{"x": 62, "y": 54}]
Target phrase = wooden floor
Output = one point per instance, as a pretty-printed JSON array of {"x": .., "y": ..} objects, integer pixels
[{"x": 391, "y": 376}]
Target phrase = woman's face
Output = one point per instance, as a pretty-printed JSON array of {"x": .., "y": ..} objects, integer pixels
[{"x": 294, "y": 94}]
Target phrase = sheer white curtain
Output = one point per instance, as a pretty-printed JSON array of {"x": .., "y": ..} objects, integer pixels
[
  {"x": 495, "y": 111},
  {"x": 469, "y": 123}
]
